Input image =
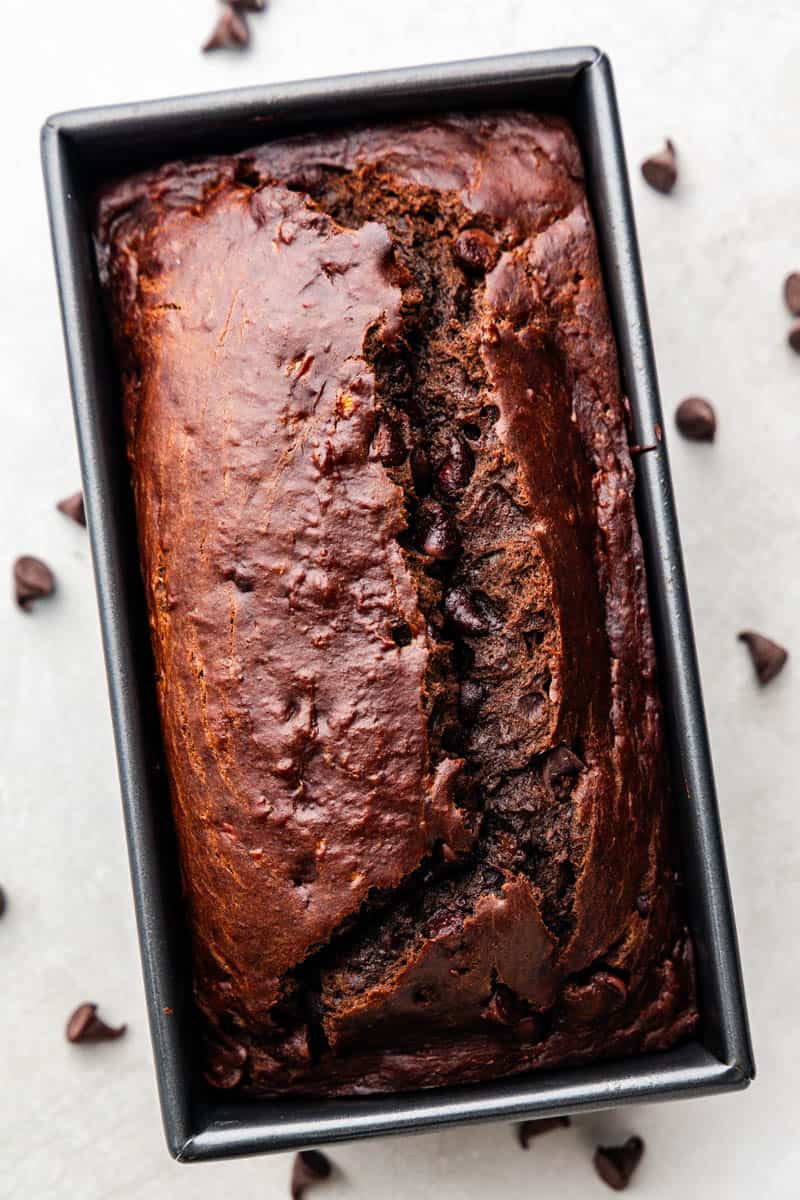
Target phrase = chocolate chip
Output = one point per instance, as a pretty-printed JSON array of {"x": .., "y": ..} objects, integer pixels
[
  {"x": 388, "y": 445},
  {"x": 529, "y": 1029},
  {"x": 33, "y": 579},
  {"x": 475, "y": 250},
  {"x": 226, "y": 1063},
  {"x": 696, "y": 419},
  {"x": 561, "y": 764},
  {"x": 455, "y": 472},
  {"x": 73, "y": 507},
  {"x": 309, "y": 1167},
  {"x": 470, "y": 698},
  {"x": 85, "y": 1026},
  {"x": 420, "y": 471},
  {"x": 768, "y": 657},
  {"x": 603, "y": 995},
  {"x": 615, "y": 1164},
  {"x": 470, "y": 611},
  {"x": 438, "y": 533},
  {"x": 643, "y": 906},
  {"x": 791, "y": 292},
  {"x": 532, "y": 1129},
  {"x": 230, "y": 32},
  {"x": 661, "y": 170},
  {"x": 793, "y": 337},
  {"x": 504, "y": 1008},
  {"x": 253, "y": 6},
  {"x": 401, "y": 633},
  {"x": 3, "y": 902}
]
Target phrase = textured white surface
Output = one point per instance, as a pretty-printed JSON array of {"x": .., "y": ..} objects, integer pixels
[{"x": 721, "y": 78}]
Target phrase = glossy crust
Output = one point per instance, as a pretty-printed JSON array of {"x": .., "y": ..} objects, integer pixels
[{"x": 398, "y": 607}]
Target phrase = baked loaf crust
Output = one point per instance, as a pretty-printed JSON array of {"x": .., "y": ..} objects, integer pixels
[{"x": 397, "y": 597}]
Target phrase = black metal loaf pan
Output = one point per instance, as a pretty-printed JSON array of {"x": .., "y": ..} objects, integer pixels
[{"x": 79, "y": 150}]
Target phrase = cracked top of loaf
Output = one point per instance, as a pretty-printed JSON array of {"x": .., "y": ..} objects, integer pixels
[{"x": 398, "y": 607}]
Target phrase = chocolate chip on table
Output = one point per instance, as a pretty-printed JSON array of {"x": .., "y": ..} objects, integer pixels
[
  {"x": 661, "y": 170},
  {"x": 475, "y": 250},
  {"x": 470, "y": 611},
  {"x": 85, "y": 1026},
  {"x": 309, "y": 1167},
  {"x": 33, "y": 580},
  {"x": 696, "y": 419},
  {"x": 791, "y": 292},
  {"x": 793, "y": 337},
  {"x": 72, "y": 507},
  {"x": 615, "y": 1164},
  {"x": 532, "y": 1129},
  {"x": 768, "y": 657},
  {"x": 455, "y": 470},
  {"x": 230, "y": 32}
]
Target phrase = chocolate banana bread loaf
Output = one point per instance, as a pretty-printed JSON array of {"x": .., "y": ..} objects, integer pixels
[{"x": 398, "y": 607}]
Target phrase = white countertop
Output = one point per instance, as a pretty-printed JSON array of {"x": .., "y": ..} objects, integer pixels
[{"x": 721, "y": 78}]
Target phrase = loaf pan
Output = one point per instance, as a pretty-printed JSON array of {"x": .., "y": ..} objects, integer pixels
[{"x": 81, "y": 150}]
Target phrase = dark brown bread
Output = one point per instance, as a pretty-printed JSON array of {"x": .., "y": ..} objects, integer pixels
[{"x": 405, "y": 666}]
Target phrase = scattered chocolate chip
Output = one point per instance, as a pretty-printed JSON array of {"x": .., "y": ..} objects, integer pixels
[
  {"x": 696, "y": 419},
  {"x": 309, "y": 1167},
  {"x": 470, "y": 611},
  {"x": 388, "y": 444},
  {"x": 455, "y": 471},
  {"x": 793, "y": 337},
  {"x": 661, "y": 170},
  {"x": 595, "y": 1000},
  {"x": 420, "y": 471},
  {"x": 532, "y": 1129},
  {"x": 230, "y": 32},
  {"x": 475, "y": 250},
  {"x": 791, "y": 292},
  {"x": 73, "y": 507},
  {"x": 643, "y": 906},
  {"x": 439, "y": 536},
  {"x": 472, "y": 432},
  {"x": 768, "y": 657},
  {"x": 226, "y": 1063},
  {"x": 615, "y": 1164},
  {"x": 470, "y": 698},
  {"x": 3, "y": 902},
  {"x": 85, "y": 1026},
  {"x": 33, "y": 579}
]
